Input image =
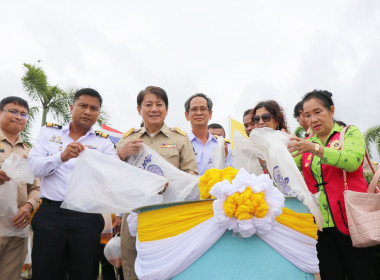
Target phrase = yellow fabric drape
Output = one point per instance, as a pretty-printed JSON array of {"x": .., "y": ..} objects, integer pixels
[
  {"x": 172, "y": 221},
  {"x": 301, "y": 222}
]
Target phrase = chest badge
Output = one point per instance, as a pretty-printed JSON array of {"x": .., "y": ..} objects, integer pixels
[
  {"x": 336, "y": 145},
  {"x": 56, "y": 139},
  {"x": 91, "y": 147},
  {"x": 169, "y": 145}
]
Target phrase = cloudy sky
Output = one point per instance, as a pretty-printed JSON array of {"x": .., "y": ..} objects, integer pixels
[{"x": 237, "y": 52}]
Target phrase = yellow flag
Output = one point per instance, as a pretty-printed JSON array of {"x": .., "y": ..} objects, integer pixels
[{"x": 235, "y": 125}]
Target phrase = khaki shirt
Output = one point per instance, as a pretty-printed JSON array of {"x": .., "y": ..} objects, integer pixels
[
  {"x": 171, "y": 143},
  {"x": 26, "y": 192}
]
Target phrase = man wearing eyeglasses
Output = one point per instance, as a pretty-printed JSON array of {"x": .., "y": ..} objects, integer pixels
[
  {"x": 198, "y": 110},
  {"x": 66, "y": 241},
  {"x": 13, "y": 116}
]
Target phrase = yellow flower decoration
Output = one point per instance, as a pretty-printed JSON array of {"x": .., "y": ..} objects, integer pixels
[
  {"x": 244, "y": 205},
  {"x": 213, "y": 176}
]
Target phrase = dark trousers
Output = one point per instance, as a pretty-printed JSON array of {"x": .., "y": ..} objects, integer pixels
[
  {"x": 338, "y": 259},
  {"x": 64, "y": 242}
]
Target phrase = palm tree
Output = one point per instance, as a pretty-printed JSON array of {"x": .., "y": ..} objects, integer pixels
[
  {"x": 52, "y": 99},
  {"x": 299, "y": 132},
  {"x": 372, "y": 136}
]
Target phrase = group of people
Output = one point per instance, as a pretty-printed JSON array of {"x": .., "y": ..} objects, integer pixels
[{"x": 66, "y": 242}]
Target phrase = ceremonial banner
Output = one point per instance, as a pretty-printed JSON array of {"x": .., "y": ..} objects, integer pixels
[{"x": 235, "y": 125}]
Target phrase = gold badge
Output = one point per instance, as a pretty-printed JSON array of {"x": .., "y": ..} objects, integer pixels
[
  {"x": 336, "y": 145},
  {"x": 60, "y": 148}
]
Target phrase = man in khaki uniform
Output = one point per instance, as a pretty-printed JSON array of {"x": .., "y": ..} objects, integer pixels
[
  {"x": 13, "y": 117},
  {"x": 171, "y": 143}
]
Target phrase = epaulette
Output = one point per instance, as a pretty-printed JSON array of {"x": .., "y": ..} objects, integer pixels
[
  {"x": 129, "y": 132},
  {"x": 176, "y": 129},
  {"x": 101, "y": 134},
  {"x": 26, "y": 145},
  {"x": 49, "y": 124},
  {"x": 225, "y": 139}
]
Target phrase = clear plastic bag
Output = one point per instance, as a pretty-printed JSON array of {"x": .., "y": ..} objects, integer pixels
[
  {"x": 104, "y": 184},
  {"x": 112, "y": 251},
  {"x": 181, "y": 184},
  {"x": 18, "y": 170},
  {"x": 219, "y": 155},
  {"x": 107, "y": 232}
]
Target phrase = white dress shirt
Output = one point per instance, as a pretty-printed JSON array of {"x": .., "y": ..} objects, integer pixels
[
  {"x": 204, "y": 152},
  {"x": 45, "y": 158}
]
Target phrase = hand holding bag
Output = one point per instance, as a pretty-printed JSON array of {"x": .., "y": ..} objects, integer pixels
[{"x": 363, "y": 211}]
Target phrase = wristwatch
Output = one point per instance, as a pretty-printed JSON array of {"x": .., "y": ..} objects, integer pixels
[{"x": 316, "y": 149}]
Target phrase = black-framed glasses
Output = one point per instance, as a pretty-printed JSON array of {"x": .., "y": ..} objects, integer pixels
[
  {"x": 265, "y": 117},
  {"x": 15, "y": 113}
]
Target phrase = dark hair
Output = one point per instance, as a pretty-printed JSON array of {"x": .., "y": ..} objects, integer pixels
[
  {"x": 249, "y": 111},
  {"x": 159, "y": 92},
  {"x": 209, "y": 101},
  {"x": 90, "y": 92},
  {"x": 275, "y": 110},
  {"x": 297, "y": 109},
  {"x": 323, "y": 95},
  {"x": 15, "y": 100},
  {"x": 216, "y": 125}
]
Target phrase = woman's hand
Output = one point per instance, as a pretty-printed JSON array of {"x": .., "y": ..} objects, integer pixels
[{"x": 297, "y": 146}]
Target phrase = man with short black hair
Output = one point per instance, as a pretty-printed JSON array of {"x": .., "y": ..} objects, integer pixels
[
  {"x": 13, "y": 117},
  {"x": 217, "y": 129},
  {"x": 247, "y": 121},
  {"x": 300, "y": 117},
  {"x": 66, "y": 241}
]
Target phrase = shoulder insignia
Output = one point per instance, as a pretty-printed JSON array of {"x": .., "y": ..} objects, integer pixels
[
  {"x": 101, "y": 134},
  {"x": 49, "y": 124},
  {"x": 176, "y": 129},
  {"x": 129, "y": 132},
  {"x": 227, "y": 140},
  {"x": 26, "y": 145}
]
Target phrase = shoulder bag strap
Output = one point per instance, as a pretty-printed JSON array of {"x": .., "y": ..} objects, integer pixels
[
  {"x": 374, "y": 182},
  {"x": 341, "y": 140}
]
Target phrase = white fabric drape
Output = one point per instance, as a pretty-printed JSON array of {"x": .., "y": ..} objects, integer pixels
[
  {"x": 104, "y": 184},
  {"x": 165, "y": 258}
]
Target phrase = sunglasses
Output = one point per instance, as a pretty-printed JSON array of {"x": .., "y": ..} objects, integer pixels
[{"x": 265, "y": 117}]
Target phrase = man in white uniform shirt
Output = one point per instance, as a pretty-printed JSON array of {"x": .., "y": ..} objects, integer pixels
[
  {"x": 66, "y": 241},
  {"x": 198, "y": 110}
]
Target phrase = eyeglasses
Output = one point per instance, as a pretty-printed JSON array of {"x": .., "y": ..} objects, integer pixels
[
  {"x": 203, "y": 110},
  {"x": 265, "y": 117},
  {"x": 15, "y": 113},
  {"x": 92, "y": 108}
]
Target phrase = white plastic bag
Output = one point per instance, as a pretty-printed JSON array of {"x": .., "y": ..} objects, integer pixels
[
  {"x": 104, "y": 184},
  {"x": 271, "y": 146},
  {"x": 244, "y": 156},
  {"x": 112, "y": 251},
  {"x": 17, "y": 169},
  {"x": 181, "y": 184}
]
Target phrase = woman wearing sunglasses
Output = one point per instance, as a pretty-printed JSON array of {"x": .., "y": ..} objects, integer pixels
[
  {"x": 322, "y": 160},
  {"x": 269, "y": 114}
]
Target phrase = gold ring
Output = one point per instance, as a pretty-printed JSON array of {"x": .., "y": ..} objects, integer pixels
[{"x": 299, "y": 143}]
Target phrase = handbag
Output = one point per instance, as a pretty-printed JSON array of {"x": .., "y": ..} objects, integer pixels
[{"x": 363, "y": 210}]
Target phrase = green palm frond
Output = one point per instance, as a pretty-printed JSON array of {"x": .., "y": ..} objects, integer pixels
[
  {"x": 25, "y": 134},
  {"x": 372, "y": 136},
  {"x": 299, "y": 132}
]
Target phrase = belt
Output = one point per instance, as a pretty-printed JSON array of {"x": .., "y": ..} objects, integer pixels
[{"x": 51, "y": 202}]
